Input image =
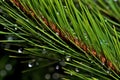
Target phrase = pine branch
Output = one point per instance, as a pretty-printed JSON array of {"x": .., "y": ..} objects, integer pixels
[
  {"x": 53, "y": 18},
  {"x": 78, "y": 43}
]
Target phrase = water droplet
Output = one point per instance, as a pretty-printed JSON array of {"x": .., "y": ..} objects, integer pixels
[
  {"x": 62, "y": 63},
  {"x": 3, "y": 73},
  {"x": 56, "y": 76},
  {"x": 30, "y": 65},
  {"x": 62, "y": 51},
  {"x": 4, "y": 28},
  {"x": 65, "y": 7},
  {"x": 20, "y": 50},
  {"x": 93, "y": 78},
  {"x": 103, "y": 42},
  {"x": 16, "y": 28},
  {"x": 108, "y": 71},
  {"x": 67, "y": 46},
  {"x": 0, "y": 10},
  {"x": 42, "y": 17},
  {"x": 91, "y": 62},
  {"x": 40, "y": 34},
  {"x": 103, "y": 63},
  {"x": 57, "y": 34},
  {"x": 47, "y": 76},
  {"x": 27, "y": 20},
  {"x": 10, "y": 38},
  {"x": 105, "y": 19},
  {"x": 80, "y": 63},
  {"x": 8, "y": 67},
  {"x": 68, "y": 58},
  {"x": 85, "y": 35},
  {"x": 37, "y": 63},
  {"x": 33, "y": 60},
  {"x": 76, "y": 69},
  {"x": 71, "y": 74},
  {"x": 65, "y": 36},
  {"x": 115, "y": 0},
  {"x": 90, "y": 59},
  {"x": 116, "y": 61},
  {"x": 57, "y": 67},
  {"x": 57, "y": 13},
  {"x": 44, "y": 51},
  {"x": 76, "y": 37},
  {"x": 74, "y": 33},
  {"x": 15, "y": 24}
]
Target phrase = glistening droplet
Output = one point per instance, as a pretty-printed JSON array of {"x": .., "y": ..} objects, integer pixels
[
  {"x": 8, "y": 67},
  {"x": 103, "y": 63},
  {"x": 56, "y": 76},
  {"x": 68, "y": 58},
  {"x": 47, "y": 76},
  {"x": 62, "y": 51},
  {"x": 76, "y": 69},
  {"x": 57, "y": 67},
  {"x": 15, "y": 24},
  {"x": 10, "y": 38},
  {"x": 57, "y": 34},
  {"x": 71, "y": 74},
  {"x": 3, "y": 73},
  {"x": 20, "y": 50},
  {"x": 27, "y": 20},
  {"x": 65, "y": 7},
  {"x": 91, "y": 62},
  {"x": 58, "y": 13},
  {"x": 30, "y": 65},
  {"x": 15, "y": 28},
  {"x": 108, "y": 71}
]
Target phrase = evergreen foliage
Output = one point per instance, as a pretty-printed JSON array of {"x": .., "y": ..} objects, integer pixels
[{"x": 83, "y": 34}]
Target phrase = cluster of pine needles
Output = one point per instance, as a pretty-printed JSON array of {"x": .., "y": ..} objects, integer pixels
[{"x": 86, "y": 31}]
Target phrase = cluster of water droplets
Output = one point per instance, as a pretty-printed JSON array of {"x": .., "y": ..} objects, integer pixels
[
  {"x": 35, "y": 62},
  {"x": 15, "y": 25},
  {"x": 52, "y": 73},
  {"x": 54, "y": 76},
  {"x": 3, "y": 72},
  {"x": 85, "y": 36},
  {"x": 103, "y": 42}
]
